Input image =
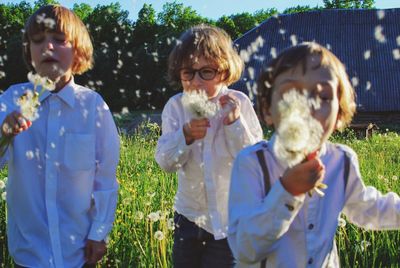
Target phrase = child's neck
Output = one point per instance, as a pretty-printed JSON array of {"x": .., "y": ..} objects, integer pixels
[{"x": 61, "y": 83}]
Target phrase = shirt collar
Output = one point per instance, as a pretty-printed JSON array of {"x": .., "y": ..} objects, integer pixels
[{"x": 66, "y": 93}]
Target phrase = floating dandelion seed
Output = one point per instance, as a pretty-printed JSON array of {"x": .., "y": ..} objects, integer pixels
[
  {"x": 273, "y": 52},
  {"x": 368, "y": 86},
  {"x": 379, "y": 36},
  {"x": 293, "y": 39},
  {"x": 381, "y": 14},
  {"x": 396, "y": 54},
  {"x": 367, "y": 54},
  {"x": 198, "y": 105},
  {"x": 354, "y": 81},
  {"x": 398, "y": 40}
]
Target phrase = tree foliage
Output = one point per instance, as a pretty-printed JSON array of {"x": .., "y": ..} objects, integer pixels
[{"x": 130, "y": 56}]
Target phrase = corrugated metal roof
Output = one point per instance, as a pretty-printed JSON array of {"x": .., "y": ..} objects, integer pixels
[{"x": 367, "y": 41}]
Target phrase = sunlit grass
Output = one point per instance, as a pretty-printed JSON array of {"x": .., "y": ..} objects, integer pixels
[{"x": 142, "y": 234}]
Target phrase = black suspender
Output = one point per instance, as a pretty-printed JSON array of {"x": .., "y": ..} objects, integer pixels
[
  {"x": 267, "y": 181},
  {"x": 267, "y": 185}
]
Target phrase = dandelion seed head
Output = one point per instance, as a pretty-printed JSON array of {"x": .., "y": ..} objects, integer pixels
[
  {"x": 198, "y": 105},
  {"x": 159, "y": 235},
  {"x": 4, "y": 195},
  {"x": 342, "y": 222},
  {"x": 379, "y": 36}
]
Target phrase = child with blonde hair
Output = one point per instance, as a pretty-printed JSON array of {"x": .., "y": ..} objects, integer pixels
[
  {"x": 203, "y": 128},
  {"x": 272, "y": 221},
  {"x": 62, "y": 187}
]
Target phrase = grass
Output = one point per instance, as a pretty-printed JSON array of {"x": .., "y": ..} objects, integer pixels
[{"x": 142, "y": 234}]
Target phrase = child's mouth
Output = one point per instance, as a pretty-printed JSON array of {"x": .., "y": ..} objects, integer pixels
[{"x": 49, "y": 60}]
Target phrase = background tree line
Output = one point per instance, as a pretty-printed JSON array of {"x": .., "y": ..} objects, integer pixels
[{"x": 130, "y": 56}]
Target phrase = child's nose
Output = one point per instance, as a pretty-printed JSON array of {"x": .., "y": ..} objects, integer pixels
[
  {"x": 49, "y": 45},
  {"x": 197, "y": 80}
]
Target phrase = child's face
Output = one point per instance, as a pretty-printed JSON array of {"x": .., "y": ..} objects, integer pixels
[
  {"x": 210, "y": 84},
  {"x": 320, "y": 82},
  {"x": 52, "y": 55}
]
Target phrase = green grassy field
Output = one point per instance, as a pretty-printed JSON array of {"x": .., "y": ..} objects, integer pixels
[{"x": 142, "y": 235}]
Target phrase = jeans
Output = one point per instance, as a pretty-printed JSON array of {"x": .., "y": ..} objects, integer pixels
[{"x": 194, "y": 247}]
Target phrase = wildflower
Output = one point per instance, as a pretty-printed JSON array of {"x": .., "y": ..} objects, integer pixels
[
  {"x": 197, "y": 103},
  {"x": 154, "y": 216},
  {"x": 394, "y": 178},
  {"x": 159, "y": 235},
  {"x": 171, "y": 224},
  {"x": 342, "y": 222},
  {"x": 139, "y": 215},
  {"x": 364, "y": 244},
  {"x": 2, "y": 185}
]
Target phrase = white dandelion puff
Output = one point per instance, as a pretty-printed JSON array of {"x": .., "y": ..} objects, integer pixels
[
  {"x": 159, "y": 235},
  {"x": 154, "y": 216},
  {"x": 298, "y": 133},
  {"x": 342, "y": 222},
  {"x": 379, "y": 36},
  {"x": 197, "y": 103}
]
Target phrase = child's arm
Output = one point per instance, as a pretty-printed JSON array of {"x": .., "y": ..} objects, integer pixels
[
  {"x": 105, "y": 188},
  {"x": 366, "y": 206},
  {"x": 256, "y": 221},
  {"x": 172, "y": 150},
  {"x": 241, "y": 125}
]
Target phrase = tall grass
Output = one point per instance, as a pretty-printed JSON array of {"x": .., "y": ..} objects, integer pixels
[{"x": 142, "y": 234}]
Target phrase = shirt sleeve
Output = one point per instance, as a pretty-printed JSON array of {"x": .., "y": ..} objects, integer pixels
[
  {"x": 172, "y": 151},
  {"x": 246, "y": 130},
  {"x": 366, "y": 207},
  {"x": 256, "y": 222},
  {"x": 105, "y": 191},
  {"x": 6, "y": 107}
]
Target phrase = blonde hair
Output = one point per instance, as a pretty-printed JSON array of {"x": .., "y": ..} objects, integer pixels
[
  {"x": 296, "y": 55},
  {"x": 210, "y": 42},
  {"x": 65, "y": 22}
]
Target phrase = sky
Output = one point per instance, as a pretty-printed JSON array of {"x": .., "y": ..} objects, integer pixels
[{"x": 213, "y": 9}]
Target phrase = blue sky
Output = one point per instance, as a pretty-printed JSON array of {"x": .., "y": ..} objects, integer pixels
[{"x": 213, "y": 9}]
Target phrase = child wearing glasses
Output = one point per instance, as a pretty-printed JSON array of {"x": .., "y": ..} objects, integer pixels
[{"x": 202, "y": 149}]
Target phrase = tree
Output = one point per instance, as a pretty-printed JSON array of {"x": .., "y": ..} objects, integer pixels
[
  {"x": 349, "y": 3},
  {"x": 82, "y": 10},
  {"x": 298, "y": 9},
  {"x": 39, "y": 3}
]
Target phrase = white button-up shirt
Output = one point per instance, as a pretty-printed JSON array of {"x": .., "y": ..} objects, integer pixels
[
  {"x": 204, "y": 167},
  {"x": 298, "y": 231},
  {"x": 61, "y": 187}
]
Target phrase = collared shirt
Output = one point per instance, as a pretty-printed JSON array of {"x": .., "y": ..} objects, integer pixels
[
  {"x": 204, "y": 167},
  {"x": 61, "y": 187},
  {"x": 298, "y": 231}
]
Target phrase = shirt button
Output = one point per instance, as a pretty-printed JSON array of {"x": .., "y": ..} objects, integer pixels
[
  {"x": 310, "y": 226},
  {"x": 310, "y": 260},
  {"x": 289, "y": 207}
]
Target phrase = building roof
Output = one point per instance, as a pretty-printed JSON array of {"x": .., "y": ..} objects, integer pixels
[{"x": 366, "y": 41}]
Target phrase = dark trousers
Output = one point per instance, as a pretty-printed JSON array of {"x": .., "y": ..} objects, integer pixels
[{"x": 194, "y": 247}]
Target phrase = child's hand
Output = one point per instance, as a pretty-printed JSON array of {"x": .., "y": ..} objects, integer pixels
[
  {"x": 14, "y": 124},
  {"x": 196, "y": 129},
  {"x": 94, "y": 251},
  {"x": 233, "y": 104},
  {"x": 303, "y": 177}
]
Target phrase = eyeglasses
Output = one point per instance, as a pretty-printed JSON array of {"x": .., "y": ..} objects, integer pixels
[{"x": 205, "y": 73}]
